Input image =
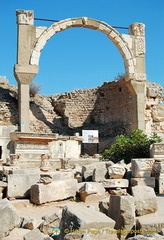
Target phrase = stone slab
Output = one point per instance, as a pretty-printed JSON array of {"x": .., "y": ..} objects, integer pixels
[
  {"x": 115, "y": 183},
  {"x": 19, "y": 185},
  {"x": 159, "y": 185},
  {"x": 142, "y": 167},
  {"x": 150, "y": 182},
  {"x": 150, "y": 222},
  {"x": 116, "y": 171},
  {"x": 93, "y": 234},
  {"x": 157, "y": 150},
  {"x": 145, "y": 200},
  {"x": 122, "y": 210},
  {"x": 55, "y": 191},
  {"x": 81, "y": 217},
  {"x": 9, "y": 218}
]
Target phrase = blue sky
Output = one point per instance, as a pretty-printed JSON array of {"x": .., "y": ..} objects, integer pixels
[{"x": 78, "y": 57}]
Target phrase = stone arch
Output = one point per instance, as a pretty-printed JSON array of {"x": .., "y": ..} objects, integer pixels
[
  {"x": 86, "y": 22},
  {"x": 32, "y": 39}
]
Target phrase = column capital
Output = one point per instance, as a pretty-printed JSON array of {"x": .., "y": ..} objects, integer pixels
[{"x": 25, "y": 17}]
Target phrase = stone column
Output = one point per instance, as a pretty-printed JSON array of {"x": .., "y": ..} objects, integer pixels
[
  {"x": 137, "y": 84},
  {"x": 23, "y": 71}
]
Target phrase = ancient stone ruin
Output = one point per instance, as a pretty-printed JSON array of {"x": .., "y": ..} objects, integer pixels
[{"x": 48, "y": 188}]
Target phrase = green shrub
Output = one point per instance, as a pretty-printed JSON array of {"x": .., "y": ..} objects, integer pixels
[{"x": 126, "y": 147}]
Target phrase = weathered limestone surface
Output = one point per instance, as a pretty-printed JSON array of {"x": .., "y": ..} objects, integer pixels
[
  {"x": 91, "y": 191},
  {"x": 75, "y": 217},
  {"x": 8, "y": 217},
  {"x": 37, "y": 235},
  {"x": 115, "y": 183},
  {"x": 87, "y": 170},
  {"x": 30, "y": 223},
  {"x": 116, "y": 171},
  {"x": 50, "y": 222},
  {"x": 58, "y": 190},
  {"x": 17, "y": 233},
  {"x": 142, "y": 167},
  {"x": 99, "y": 174},
  {"x": 93, "y": 234},
  {"x": 104, "y": 205},
  {"x": 157, "y": 150},
  {"x": 150, "y": 182},
  {"x": 19, "y": 184},
  {"x": 145, "y": 200},
  {"x": 153, "y": 223},
  {"x": 122, "y": 210}
]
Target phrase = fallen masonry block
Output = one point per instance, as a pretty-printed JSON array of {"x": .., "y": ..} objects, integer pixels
[
  {"x": 99, "y": 174},
  {"x": 9, "y": 218},
  {"x": 82, "y": 218},
  {"x": 158, "y": 169},
  {"x": 115, "y": 183},
  {"x": 50, "y": 222},
  {"x": 91, "y": 191},
  {"x": 55, "y": 191},
  {"x": 159, "y": 185},
  {"x": 104, "y": 205},
  {"x": 93, "y": 234},
  {"x": 122, "y": 210},
  {"x": 87, "y": 170},
  {"x": 150, "y": 182},
  {"x": 37, "y": 235},
  {"x": 19, "y": 185},
  {"x": 145, "y": 200},
  {"x": 150, "y": 224},
  {"x": 157, "y": 150},
  {"x": 116, "y": 171},
  {"x": 142, "y": 167}
]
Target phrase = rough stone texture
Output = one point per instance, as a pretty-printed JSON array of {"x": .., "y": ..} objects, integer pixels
[
  {"x": 91, "y": 107},
  {"x": 37, "y": 235},
  {"x": 30, "y": 223},
  {"x": 158, "y": 169},
  {"x": 75, "y": 217},
  {"x": 150, "y": 182},
  {"x": 104, "y": 205},
  {"x": 50, "y": 222},
  {"x": 19, "y": 184},
  {"x": 17, "y": 233},
  {"x": 87, "y": 170},
  {"x": 115, "y": 183},
  {"x": 145, "y": 200},
  {"x": 116, "y": 171},
  {"x": 91, "y": 191},
  {"x": 58, "y": 190},
  {"x": 159, "y": 185},
  {"x": 8, "y": 217},
  {"x": 157, "y": 150},
  {"x": 147, "y": 237},
  {"x": 122, "y": 210},
  {"x": 93, "y": 234},
  {"x": 142, "y": 167},
  {"x": 151, "y": 224},
  {"x": 99, "y": 174}
]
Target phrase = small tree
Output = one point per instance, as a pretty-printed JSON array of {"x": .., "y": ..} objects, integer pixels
[
  {"x": 34, "y": 89},
  {"x": 126, "y": 147}
]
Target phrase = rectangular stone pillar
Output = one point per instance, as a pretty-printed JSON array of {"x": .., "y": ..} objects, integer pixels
[{"x": 23, "y": 107}]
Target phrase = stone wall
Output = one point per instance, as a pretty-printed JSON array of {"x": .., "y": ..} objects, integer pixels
[
  {"x": 154, "y": 112},
  {"x": 107, "y": 108}
]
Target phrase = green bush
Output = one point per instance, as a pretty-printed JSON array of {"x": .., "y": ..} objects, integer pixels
[{"x": 126, "y": 147}]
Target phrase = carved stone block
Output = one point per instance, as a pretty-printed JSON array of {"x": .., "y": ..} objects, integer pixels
[{"x": 142, "y": 167}]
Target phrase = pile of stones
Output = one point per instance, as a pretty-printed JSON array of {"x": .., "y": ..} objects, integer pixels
[{"x": 124, "y": 195}]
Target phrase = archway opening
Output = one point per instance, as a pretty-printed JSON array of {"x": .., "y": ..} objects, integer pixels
[{"x": 78, "y": 58}]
